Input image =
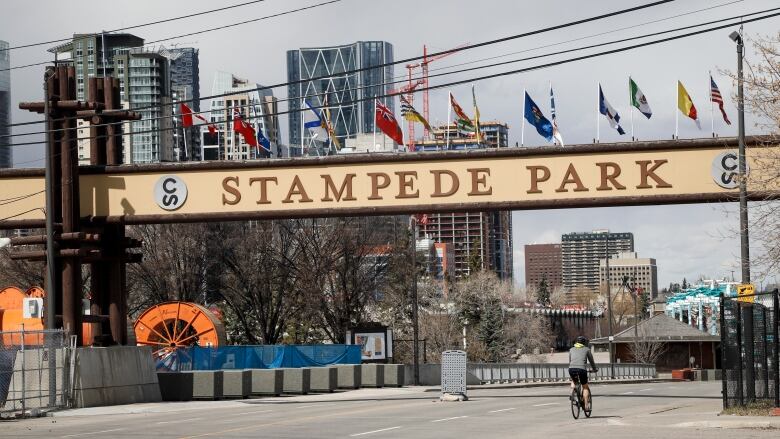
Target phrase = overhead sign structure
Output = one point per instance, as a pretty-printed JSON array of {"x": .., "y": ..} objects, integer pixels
[
  {"x": 746, "y": 293},
  {"x": 508, "y": 178}
]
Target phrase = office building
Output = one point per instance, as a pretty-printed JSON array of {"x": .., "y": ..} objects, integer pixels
[
  {"x": 257, "y": 106},
  {"x": 581, "y": 253},
  {"x": 347, "y": 93},
  {"x": 6, "y": 159},
  {"x": 185, "y": 85},
  {"x": 641, "y": 273},
  {"x": 543, "y": 261}
]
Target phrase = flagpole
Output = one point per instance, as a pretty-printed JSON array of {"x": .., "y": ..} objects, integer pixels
[
  {"x": 598, "y": 111},
  {"x": 676, "y": 112},
  {"x": 522, "y": 126},
  {"x": 449, "y": 118},
  {"x": 631, "y": 107},
  {"x": 373, "y": 147},
  {"x": 303, "y": 116},
  {"x": 712, "y": 110}
]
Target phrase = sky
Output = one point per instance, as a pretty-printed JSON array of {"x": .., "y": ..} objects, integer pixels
[{"x": 686, "y": 240}]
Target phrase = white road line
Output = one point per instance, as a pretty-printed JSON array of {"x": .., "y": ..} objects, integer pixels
[
  {"x": 501, "y": 410},
  {"x": 253, "y": 413},
  {"x": 93, "y": 432},
  {"x": 645, "y": 390},
  {"x": 177, "y": 421},
  {"x": 303, "y": 406},
  {"x": 549, "y": 403},
  {"x": 449, "y": 419},
  {"x": 374, "y": 431},
  {"x": 627, "y": 393}
]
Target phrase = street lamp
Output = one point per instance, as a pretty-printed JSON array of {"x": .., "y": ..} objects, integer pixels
[{"x": 743, "y": 213}]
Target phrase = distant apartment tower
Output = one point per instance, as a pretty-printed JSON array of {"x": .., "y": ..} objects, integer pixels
[
  {"x": 543, "y": 261},
  {"x": 347, "y": 92},
  {"x": 185, "y": 85},
  {"x": 5, "y": 105},
  {"x": 642, "y": 273},
  {"x": 257, "y": 106},
  {"x": 581, "y": 253},
  {"x": 478, "y": 240}
]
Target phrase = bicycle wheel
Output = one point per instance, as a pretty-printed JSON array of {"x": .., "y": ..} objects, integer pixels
[
  {"x": 589, "y": 405},
  {"x": 575, "y": 405}
]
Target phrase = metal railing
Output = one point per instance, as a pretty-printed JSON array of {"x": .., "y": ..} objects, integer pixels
[
  {"x": 34, "y": 372},
  {"x": 494, "y": 373}
]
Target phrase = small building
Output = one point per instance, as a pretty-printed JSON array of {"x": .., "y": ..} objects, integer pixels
[{"x": 677, "y": 341}]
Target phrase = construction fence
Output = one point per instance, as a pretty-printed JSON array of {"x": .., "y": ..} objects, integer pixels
[
  {"x": 35, "y": 372},
  {"x": 749, "y": 349}
]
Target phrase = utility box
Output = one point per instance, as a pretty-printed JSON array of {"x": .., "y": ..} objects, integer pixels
[{"x": 453, "y": 375}]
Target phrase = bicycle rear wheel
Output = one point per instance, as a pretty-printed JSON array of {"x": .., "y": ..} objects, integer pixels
[
  {"x": 575, "y": 405},
  {"x": 589, "y": 405}
]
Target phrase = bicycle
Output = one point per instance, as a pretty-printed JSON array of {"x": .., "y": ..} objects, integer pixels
[{"x": 578, "y": 403}]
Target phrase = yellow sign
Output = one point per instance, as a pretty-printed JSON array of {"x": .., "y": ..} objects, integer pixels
[
  {"x": 360, "y": 184},
  {"x": 745, "y": 293}
]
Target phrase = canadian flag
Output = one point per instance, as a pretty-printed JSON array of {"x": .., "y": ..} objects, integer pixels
[
  {"x": 243, "y": 128},
  {"x": 186, "y": 118}
]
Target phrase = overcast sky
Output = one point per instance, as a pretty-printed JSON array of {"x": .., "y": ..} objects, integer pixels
[{"x": 687, "y": 240}]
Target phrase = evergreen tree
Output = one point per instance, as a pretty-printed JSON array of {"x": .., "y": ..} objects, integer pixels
[
  {"x": 491, "y": 329},
  {"x": 685, "y": 284},
  {"x": 543, "y": 292},
  {"x": 475, "y": 258}
]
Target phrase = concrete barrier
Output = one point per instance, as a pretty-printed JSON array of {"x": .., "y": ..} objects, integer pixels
[
  {"x": 297, "y": 380},
  {"x": 372, "y": 375},
  {"x": 236, "y": 383},
  {"x": 114, "y": 375},
  {"x": 394, "y": 375},
  {"x": 323, "y": 379},
  {"x": 207, "y": 384},
  {"x": 267, "y": 381},
  {"x": 348, "y": 376},
  {"x": 175, "y": 386}
]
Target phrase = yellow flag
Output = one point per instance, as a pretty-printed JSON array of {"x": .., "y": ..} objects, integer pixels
[{"x": 685, "y": 103}]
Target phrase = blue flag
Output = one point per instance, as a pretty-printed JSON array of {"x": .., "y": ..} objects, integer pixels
[
  {"x": 535, "y": 117},
  {"x": 262, "y": 140},
  {"x": 612, "y": 116}
]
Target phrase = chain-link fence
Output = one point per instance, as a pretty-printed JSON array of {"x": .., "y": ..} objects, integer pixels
[
  {"x": 34, "y": 372},
  {"x": 749, "y": 349}
]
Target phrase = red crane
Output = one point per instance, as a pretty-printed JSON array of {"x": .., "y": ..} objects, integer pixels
[{"x": 408, "y": 90}]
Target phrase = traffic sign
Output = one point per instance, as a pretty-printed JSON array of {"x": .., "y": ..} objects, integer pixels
[{"x": 745, "y": 293}]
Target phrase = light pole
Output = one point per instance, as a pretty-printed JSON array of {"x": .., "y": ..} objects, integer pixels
[
  {"x": 415, "y": 321},
  {"x": 609, "y": 313},
  {"x": 743, "y": 213}
]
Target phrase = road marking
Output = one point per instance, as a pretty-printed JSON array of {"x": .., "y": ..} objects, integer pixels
[
  {"x": 501, "y": 410},
  {"x": 176, "y": 421},
  {"x": 93, "y": 432},
  {"x": 549, "y": 403},
  {"x": 303, "y": 406},
  {"x": 253, "y": 412},
  {"x": 449, "y": 419},
  {"x": 627, "y": 393},
  {"x": 645, "y": 390},
  {"x": 374, "y": 431},
  {"x": 226, "y": 421}
]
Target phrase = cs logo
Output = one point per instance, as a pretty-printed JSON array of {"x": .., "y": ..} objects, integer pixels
[
  {"x": 725, "y": 170},
  {"x": 170, "y": 192}
]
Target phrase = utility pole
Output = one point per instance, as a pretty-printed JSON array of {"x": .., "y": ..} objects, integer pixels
[
  {"x": 743, "y": 213},
  {"x": 51, "y": 289},
  {"x": 415, "y": 322},
  {"x": 609, "y": 315}
]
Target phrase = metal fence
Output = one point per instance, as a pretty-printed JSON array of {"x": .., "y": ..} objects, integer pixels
[
  {"x": 491, "y": 373},
  {"x": 35, "y": 372},
  {"x": 749, "y": 349}
]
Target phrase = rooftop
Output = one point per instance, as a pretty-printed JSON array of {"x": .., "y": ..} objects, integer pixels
[{"x": 660, "y": 328}]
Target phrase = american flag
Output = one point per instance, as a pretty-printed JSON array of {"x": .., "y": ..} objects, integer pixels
[{"x": 716, "y": 97}]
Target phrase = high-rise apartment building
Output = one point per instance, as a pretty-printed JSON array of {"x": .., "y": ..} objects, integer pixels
[
  {"x": 5, "y": 105},
  {"x": 543, "y": 261},
  {"x": 257, "y": 106},
  {"x": 641, "y": 273},
  {"x": 328, "y": 75},
  {"x": 185, "y": 85},
  {"x": 581, "y": 253}
]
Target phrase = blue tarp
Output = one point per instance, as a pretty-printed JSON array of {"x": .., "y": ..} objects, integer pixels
[{"x": 260, "y": 357}]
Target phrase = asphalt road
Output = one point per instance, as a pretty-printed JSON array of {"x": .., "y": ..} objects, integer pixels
[{"x": 647, "y": 410}]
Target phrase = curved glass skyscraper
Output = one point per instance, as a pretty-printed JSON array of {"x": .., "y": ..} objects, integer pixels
[
  {"x": 5, "y": 105},
  {"x": 350, "y": 114}
]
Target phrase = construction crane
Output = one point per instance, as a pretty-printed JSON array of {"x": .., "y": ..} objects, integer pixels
[
  {"x": 424, "y": 66},
  {"x": 408, "y": 90}
]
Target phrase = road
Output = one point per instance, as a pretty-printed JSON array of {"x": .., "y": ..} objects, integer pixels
[{"x": 646, "y": 410}]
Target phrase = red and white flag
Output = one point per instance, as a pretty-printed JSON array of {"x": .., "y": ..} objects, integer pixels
[
  {"x": 386, "y": 122},
  {"x": 186, "y": 118},
  {"x": 717, "y": 98},
  {"x": 243, "y": 128}
]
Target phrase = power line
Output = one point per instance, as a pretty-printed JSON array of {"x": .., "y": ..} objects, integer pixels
[
  {"x": 404, "y": 80},
  {"x": 5, "y": 201},
  {"x": 490, "y": 76},
  {"x": 166, "y": 20}
]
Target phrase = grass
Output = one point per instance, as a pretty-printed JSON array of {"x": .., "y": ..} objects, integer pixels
[{"x": 761, "y": 408}]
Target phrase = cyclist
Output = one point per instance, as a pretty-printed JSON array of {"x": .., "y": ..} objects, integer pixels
[{"x": 579, "y": 355}]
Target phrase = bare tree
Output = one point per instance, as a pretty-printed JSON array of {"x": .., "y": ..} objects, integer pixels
[{"x": 646, "y": 351}]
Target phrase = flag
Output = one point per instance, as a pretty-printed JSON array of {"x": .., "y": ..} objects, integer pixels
[
  {"x": 716, "y": 97},
  {"x": 421, "y": 218},
  {"x": 409, "y": 113},
  {"x": 462, "y": 121},
  {"x": 186, "y": 118},
  {"x": 476, "y": 116},
  {"x": 386, "y": 122},
  {"x": 535, "y": 117},
  {"x": 612, "y": 116},
  {"x": 638, "y": 99},
  {"x": 315, "y": 125},
  {"x": 556, "y": 134},
  {"x": 685, "y": 104},
  {"x": 262, "y": 140},
  {"x": 243, "y": 128},
  {"x": 328, "y": 126}
]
